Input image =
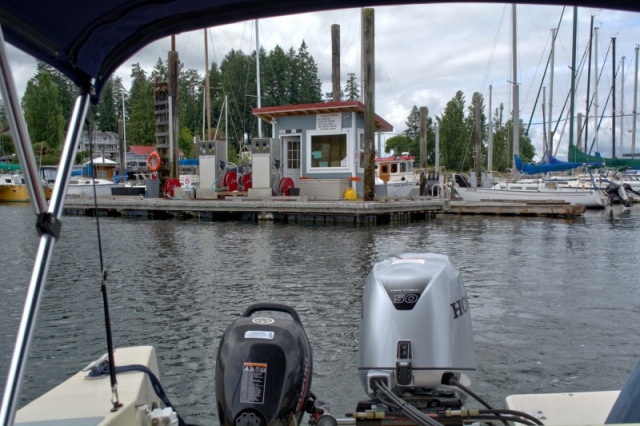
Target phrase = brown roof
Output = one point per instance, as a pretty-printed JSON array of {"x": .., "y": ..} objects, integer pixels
[{"x": 270, "y": 113}]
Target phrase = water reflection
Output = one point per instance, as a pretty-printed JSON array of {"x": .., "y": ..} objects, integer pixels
[{"x": 550, "y": 299}]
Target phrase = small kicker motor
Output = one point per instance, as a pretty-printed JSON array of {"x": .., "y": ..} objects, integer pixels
[
  {"x": 263, "y": 369},
  {"x": 416, "y": 336}
]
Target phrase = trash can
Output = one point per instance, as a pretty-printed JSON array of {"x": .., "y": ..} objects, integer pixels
[{"x": 153, "y": 188}]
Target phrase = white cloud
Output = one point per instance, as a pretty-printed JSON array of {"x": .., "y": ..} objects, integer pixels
[{"x": 425, "y": 53}]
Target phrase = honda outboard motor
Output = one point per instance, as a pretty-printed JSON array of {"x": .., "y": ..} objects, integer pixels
[
  {"x": 415, "y": 331},
  {"x": 263, "y": 369}
]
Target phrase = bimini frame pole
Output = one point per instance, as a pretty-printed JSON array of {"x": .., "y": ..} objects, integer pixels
[{"x": 47, "y": 223}]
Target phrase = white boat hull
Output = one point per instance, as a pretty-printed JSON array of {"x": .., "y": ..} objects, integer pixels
[
  {"x": 562, "y": 409},
  {"x": 394, "y": 189},
  {"x": 85, "y": 189},
  {"x": 588, "y": 198},
  {"x": 87, "y": 401}
]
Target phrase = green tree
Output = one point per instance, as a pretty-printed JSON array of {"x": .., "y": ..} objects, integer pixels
[
  {"x": 6, "y": 142},
  {"x": 277, "y": 76},
  {"x": 43, "y": 113},
  {"x": 108, "y": 113},
  {"x": 310, "y": 89},
  {"x": 235, "y": 69},
  {"x": 413, "y": 125},
  {"x": 399, "y": 144},
  {"x": 67, "y": 91},
  {"x": 190, "y": 100},
  {"x": 503, "y": 142},
  {"x": 454, "y": 136},
  {"x": 477, "y": 100},
  {"x": 160, "y": 70},
  {"x": 141, "y": 124},
  {"x": 185, "y": 142},
  {"x": 352, "y": 89}
]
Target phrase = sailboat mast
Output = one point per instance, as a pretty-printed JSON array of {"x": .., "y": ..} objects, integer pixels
[
  {"x": 586, "y": 117},
  {"x": 596, "y": 80},
  {"x": 206, "y": 83},
  {"x": 613, "y": 97},
  {"x": 258, "y": 77},
  {"x": 516, "y": 101},
  {"x": 622, "y": 107},
  {"x": 635, "y": 107},
  {"x": 490, "y": 142},
  {"x": 573, "y": 77},
  {"x": 550, "y": 120}
]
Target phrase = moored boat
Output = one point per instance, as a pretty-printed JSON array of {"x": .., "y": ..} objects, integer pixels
[
  {"x": 14, "y": 189},
  {"x": 531, "y": 190},
  {"x": 395, "y": 176}
]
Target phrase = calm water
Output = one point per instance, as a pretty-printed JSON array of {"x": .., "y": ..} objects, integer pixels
[{"x": 555, "y": 303}]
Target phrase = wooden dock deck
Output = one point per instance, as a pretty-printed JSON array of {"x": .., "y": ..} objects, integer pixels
[{"x": 306, "y": 209}]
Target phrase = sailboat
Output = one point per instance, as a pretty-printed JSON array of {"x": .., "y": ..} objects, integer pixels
[
  {"x": 530, "y": 190},
  {"x": 123, "y": 387}
]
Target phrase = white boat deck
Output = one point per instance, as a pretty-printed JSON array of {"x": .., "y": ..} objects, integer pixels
[{"x": 83, "y": 401}]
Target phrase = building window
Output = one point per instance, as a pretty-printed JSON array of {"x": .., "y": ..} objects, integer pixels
[
  {"x": 328, "y": 151},
  {"x": 293, "y": 155}
]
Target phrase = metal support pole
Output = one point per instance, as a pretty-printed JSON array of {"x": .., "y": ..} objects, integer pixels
[{"x": 47, "y": 226}]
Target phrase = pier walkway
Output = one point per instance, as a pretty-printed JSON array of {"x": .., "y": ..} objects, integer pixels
[{"x": 303, "y": 209}]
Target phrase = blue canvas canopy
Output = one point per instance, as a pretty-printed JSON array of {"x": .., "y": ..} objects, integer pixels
[
  {"x": 88, "y": 41},
  {"x": 551, "y": 164}
]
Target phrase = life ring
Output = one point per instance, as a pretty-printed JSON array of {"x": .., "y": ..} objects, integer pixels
[{"x": 154, "y": 161}]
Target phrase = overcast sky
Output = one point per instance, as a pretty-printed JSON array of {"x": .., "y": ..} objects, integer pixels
[{"x": 424, "y": 54}]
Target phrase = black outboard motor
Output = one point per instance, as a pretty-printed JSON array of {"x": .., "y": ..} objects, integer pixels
[
  {"x": 263, "y": 369},
  {"x": 616, "y": 190}
]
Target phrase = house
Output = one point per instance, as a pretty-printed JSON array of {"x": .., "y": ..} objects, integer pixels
[
  {"x": 101, "y": 168},
  {"x": 321, "y": 140},
  {"x": 104, "y": 143},
  {"x": 137, "y": 156}
]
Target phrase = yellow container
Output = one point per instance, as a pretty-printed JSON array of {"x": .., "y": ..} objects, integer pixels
[{"x": 350, "y": 194}]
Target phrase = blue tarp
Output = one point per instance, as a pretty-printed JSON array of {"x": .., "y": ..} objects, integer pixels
[{"x": 552, "y": 165}]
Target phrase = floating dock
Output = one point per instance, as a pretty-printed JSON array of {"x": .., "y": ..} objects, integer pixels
[{"x": 301, "y": 209}]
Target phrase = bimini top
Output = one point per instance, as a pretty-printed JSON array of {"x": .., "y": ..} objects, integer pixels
[{"x": 88, "y": 40}]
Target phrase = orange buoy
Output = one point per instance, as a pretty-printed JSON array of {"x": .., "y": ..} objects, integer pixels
[{"x": 154, "y": 161}]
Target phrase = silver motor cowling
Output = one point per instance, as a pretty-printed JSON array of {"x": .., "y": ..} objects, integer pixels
[{"x": 415, "y": 328}]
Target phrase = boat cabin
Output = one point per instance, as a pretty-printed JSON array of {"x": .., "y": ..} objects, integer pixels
[
  {"x": 396, "y": 168},
  {"x": 319, "y": 143}
]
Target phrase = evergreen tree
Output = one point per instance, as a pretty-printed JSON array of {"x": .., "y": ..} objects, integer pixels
[
  {"x": 6, "y": 142},
  {"x": 503, "y": 142},
  {"x": 413, "y": 125},
  {"x": 67, "y": 91},
  {"x": 42, "y": 112},
  {"x": 310, "y": 89},
  {"x": 277, "y": 76},
  {"x": 453, "y": 134},
  {"x": 296, "y": 81},
  {"x": 141, "y": 124},
  {"x": 190, "y": 100},
  {"x": 108, "y": 108},
  {"x": 235, "y": 69},
  {"x": 352, "y": 89},
  {"x": 160, "y": 70},
  {"x": 470, "y": 122}
]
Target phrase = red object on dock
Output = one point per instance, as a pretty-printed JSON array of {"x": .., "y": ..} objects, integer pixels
[
  {"x": 170, "y": 185},
  {"x": 284, "y": 184},
  {"x": 230, "y": 180}
]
